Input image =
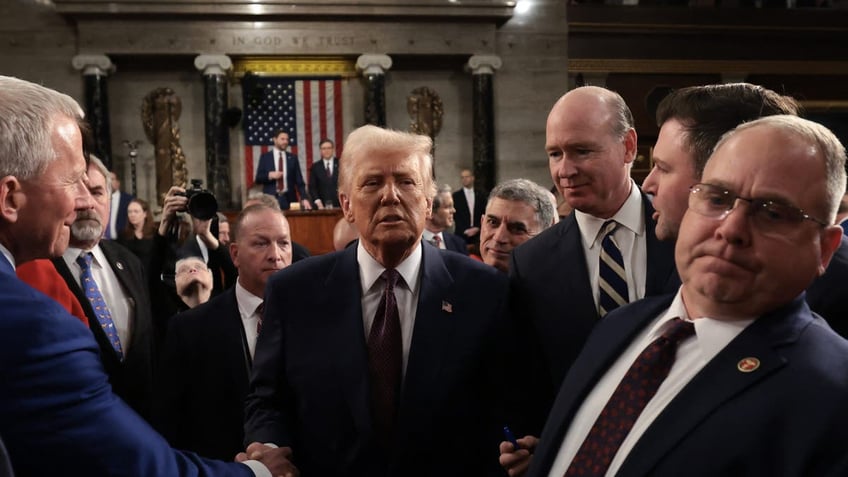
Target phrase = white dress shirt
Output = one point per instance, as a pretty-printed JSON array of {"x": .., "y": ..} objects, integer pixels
[
  {"x": 469, "y": 197},
  {"x": 113, "y": 214},
  {"x": 631, "y": 240},
  {"x": 406, "y": 292},
  {"x": 428, "y": 236},
  {"x": 711, "y": 336},
  {"x": 247, "y": 305},
  {"x": 121, "y": 306}
]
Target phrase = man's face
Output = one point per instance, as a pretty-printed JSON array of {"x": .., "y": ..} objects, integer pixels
[
  {"x": 467, "y": 179},
  {"x": 387, "y": 203},
  {"x": 192, "y": 274},
  {"x": 670, "y": 179},
  {"x": 282, "y": 141},
  {"x": 263, "y": 247},
  {"x": 50, "y": 202},
  {"x": 88, "y": 227},
  {"x": 588, "y": 163},
  {"x": 443, "y": 216},
  {"x": 116, "y": 183},
  {"x": 327, "y": 150},
  {"x": 224, "y": 232},
  {"x": 506, "y": 225},
  {"x": 731, "y": 268}
]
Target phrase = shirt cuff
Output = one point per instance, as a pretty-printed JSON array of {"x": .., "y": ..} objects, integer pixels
[{"x": 258, "y": 468}]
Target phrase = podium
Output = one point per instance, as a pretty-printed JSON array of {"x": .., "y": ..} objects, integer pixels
[{"x": 314, "y": 228}]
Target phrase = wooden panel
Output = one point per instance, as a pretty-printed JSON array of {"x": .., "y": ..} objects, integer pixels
[{"x": 314, "y": 229}]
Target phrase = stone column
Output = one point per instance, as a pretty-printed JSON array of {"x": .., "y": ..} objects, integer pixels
[
  {"x": 215, "y": 99},
  {"x": 483, "y": 132},
  {"x": 95, "y": 69},
  {"x": 374, "y": 68}
]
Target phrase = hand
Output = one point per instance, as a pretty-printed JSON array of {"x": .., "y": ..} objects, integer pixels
[
  {"x": 305, "y": 205},
  {"x": 203, "y": 229},
  {"x": 318, "y": 204},
  {"x": 174, "y": 202},
  {"x": 517, "y": 462},
  {"x": 274, "y": 175},
  {"x": 471, "y": 232},
  {"x": 276, "y": 459}
]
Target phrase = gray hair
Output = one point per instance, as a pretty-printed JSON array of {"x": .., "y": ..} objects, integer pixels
[
  {"x": 98, "y": 164},
  {"x": 532, "y": 194},
  {"x": 369, "y": 140},
  {"x": 27, "y": 114},
  {"x": 830, "y": 149}
]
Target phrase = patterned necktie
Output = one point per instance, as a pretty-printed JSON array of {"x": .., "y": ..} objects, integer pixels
[
  {"x": 92, "y": 292},
  {"x": 328, "y": 166},
  {"x": 638, "y": 386},
  {"x": 281, "y": 182},
  {"x": 436, "y": 241},
  {"x": 260, "y": 312},
  {"x": 385, "y": 358},
  {"x": 612, "y": 280}
]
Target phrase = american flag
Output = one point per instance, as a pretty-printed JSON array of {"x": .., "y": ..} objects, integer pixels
[{"x": 308, "y": 109}]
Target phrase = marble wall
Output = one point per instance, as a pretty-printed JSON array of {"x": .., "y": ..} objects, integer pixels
[{"x": 37, "y": 44}]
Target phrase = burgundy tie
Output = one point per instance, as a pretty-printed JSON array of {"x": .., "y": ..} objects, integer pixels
[
  {"x": 281, "y": 184},
  {"x": 260, "y": 311},
  {"x": 437, "y": 241},
  {"x": 385, "y": 358},
  {"x": 638, "y": 386}
]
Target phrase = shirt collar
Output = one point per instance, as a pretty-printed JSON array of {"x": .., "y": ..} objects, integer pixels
[
  {"x": 370, "y": 269},
  {"x": 72, "y": 254},
  {"x": 629, "y": 215},
  {"x": 6, "y": 253},
  {"x": 712, "y": 334},
  {"x": 247, "y": 302}
]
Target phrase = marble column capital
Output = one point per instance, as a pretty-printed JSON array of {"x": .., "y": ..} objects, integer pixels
[
  {"x": 213, "y": 64},
  {"x": 484, "y": 64},
  {"x": 93, "y": 65},
  {"x": 372, "y": 64}
]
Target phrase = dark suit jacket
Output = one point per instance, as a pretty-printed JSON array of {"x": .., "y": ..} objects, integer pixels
[
  {"x": 828, "y": 294},
  {"x": 121, "y": 217},
  {"x": 323, "y": 187},
  {"x": 551, "y": 294},
  {"x": 310, "y": 389},
  {"x": 787, "y": 418},
  {"x": 202, "y": 384},
  {"x": 58, "y": 414},
  {"x": 294, "y": 178},
  {"x": 132, "y": 378},
  {"x": 455, "y": 243},
  {"x": 5, "y": 463},
  {"x": 461, "y": 218},
  {"x": 224, "y": 273}
]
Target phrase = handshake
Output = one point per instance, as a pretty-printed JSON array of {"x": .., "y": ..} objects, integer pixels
[{"x": 276, "y": 459}]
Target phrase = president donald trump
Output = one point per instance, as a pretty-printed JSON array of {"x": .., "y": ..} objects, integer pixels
[{"x": 384, "y": 359}]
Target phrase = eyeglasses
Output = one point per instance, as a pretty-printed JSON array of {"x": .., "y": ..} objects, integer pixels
[
  {"x": 190, "y": 268},
  {"x": 769, "y": 216}
]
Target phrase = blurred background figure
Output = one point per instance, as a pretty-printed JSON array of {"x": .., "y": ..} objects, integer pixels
[
  {"x": 118, "y": 213},
  {"x": 469, "y": 204},
  {"x": 436, "y": 227},
  {"x": 344, "y": 234},
  {"x": 324, "y": 177},
  {"x": 223, "y": 229},
  {"x": 137, "y": 235}
]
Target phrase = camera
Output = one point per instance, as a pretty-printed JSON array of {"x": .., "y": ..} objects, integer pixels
[{"x": 201, "y": 203}]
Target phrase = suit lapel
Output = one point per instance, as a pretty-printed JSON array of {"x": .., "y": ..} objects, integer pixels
[
  {"x": 571, "y": 252},
  {"x": 719, "y": 382}
]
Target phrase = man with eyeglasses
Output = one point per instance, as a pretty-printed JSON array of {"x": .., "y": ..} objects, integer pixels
[
  {"x": 691, "y": 122},
  {"x": 733, "y": 374},
  {"x": 518, "y": 210},
  {"x": 194, "y": 281}
]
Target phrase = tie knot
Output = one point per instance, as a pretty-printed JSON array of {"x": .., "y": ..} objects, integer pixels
[
  {"x": 260, "y": 310},
  {"x": 679, "y": 330},
  {"x": 609, "y": 227},
  {"x": 391, "y": 276},
  {"x": 84, "y": 260}
]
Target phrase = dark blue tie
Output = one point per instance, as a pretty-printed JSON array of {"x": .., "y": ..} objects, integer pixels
[
  {"x": 92, "y": 292},
  {"x": 612, "y": 280}
]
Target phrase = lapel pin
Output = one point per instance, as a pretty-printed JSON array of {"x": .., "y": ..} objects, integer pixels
[
  {"x": 447, "y": 307},
  {"x": 747, "y": 365},
  {"x": 119, "y": 265}
]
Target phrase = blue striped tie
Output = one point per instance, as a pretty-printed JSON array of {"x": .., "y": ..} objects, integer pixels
[
  {"x": 612, "y": 280},
  {"x": 92, "y": 292}
]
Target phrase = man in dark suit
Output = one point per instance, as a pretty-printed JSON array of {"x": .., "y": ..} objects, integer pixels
[
  {"x": 58, "y": 414},
  {"x": 327, "y": 375},
  {"x": 208, "y": 351},
  {"x": 441, "y": 219},
  {"x": 119, "y": 202},
  {"x": 691, "y": 121},
  {"x": 470, "y": 204},
  {"x": 324, "y": 177},
  {"x": 556, "y": 278},
  {"x": 751, "y": 382},
  {"x": 126, "y": 336},
  {"x": 279, "y": 173}
]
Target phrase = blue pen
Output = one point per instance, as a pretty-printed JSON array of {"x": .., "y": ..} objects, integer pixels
[{"x": 511, "y": 438}]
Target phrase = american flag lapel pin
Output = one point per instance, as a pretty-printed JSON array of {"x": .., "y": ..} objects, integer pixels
[{"x": 447, "y": 307}]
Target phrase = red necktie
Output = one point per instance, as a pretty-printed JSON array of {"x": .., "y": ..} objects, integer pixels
[
  {"x": 437, "y": 241},
  {"x": 638, "y": 386},
  {"x": 281, "y": 182},
  {"x": 385, "y": 358}
]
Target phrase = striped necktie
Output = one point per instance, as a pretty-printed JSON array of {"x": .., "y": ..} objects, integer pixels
[{"x": 612, "y": 280}]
